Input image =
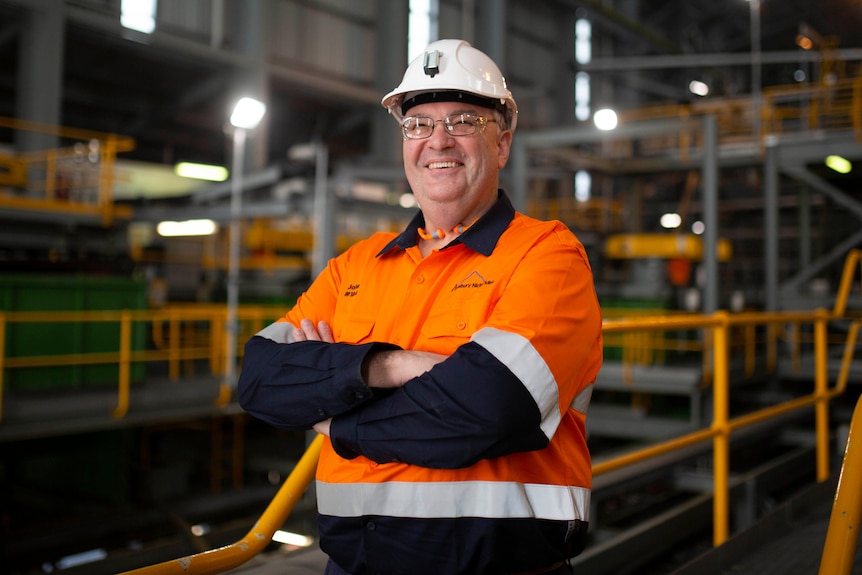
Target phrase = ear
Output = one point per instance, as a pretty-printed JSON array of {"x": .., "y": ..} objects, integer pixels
[{"x": 504, "y": 145}]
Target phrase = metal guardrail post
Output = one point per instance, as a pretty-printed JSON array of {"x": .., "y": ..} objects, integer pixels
[
  {"x": 821, "y": 392},
  {"x": 721, "y": 442},
  {"x": 125, "y": 369},
  {"x": 174, "y": 345}
]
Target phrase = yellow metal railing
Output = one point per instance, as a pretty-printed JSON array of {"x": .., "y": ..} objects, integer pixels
[
  {"x": 843, "y": 533},
  {"x": 224, "y": 558},
  {"x": 183, "y": 333},
  {"x": 75, "y": 179},
  {"x": 720, "y": 324},
  {"x": 179, "y": 335},
  {"x": 783, "y": 109}
]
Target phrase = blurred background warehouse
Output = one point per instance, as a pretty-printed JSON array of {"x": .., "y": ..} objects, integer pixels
[{"x": 728, "y": 179}]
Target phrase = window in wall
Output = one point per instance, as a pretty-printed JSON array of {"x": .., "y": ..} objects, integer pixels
[
  {"x": 583, "y": 55},
  {"x": 422, "y": 26},
  {"x": 138, "y": 15},
  {"x": 583, "y": 41},
  {"x": 582, "y": 96},
  {"x": 583, "y": 185}
]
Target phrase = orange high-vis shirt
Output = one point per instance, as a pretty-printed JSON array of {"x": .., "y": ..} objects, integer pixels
[{"x": 492, "y": 436}]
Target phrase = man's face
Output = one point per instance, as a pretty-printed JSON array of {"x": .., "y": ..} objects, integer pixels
[{"x": 456, "y": 172}]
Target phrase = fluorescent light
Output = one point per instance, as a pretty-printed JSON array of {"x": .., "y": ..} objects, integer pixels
[
  {"x": 605, "y": 119},
  {"x": 201, "y": 171},
  {"x": 839, "y": 164},
  {"x": 138, "y": 15},
  {"x": 247, "y": 113},
  {"x": 295, "y": 539},
  {"x": 83, "y": 558},
  {"x": 172, "y": 229}
]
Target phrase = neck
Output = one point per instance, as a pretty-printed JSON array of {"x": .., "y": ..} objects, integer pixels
[{"x": 430, "y": 233}]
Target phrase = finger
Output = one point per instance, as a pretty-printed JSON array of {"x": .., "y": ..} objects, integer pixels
[
  {"x": 325, "y": 332},
  {"x": 309, "y": 330},
  {"x": 298, "y": 334}
]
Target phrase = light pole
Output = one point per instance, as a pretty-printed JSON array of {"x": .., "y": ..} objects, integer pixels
[{"x": 246, "y": 115}]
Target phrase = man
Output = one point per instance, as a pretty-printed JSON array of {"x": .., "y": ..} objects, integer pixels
[{"x": 451, "y": 365}]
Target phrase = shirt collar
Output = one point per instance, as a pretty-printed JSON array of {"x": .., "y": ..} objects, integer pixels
[{"x": 481, "y": 237}]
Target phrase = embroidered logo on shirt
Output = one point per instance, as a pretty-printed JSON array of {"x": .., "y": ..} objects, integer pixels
[
  {"x": 474, "y": 280},
  {"x": 352, "y": 290}
]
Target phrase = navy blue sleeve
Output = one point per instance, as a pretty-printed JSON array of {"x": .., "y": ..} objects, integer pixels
[
  {"x": 295, "y": 385},
  {"x": 468, "y": 407}
]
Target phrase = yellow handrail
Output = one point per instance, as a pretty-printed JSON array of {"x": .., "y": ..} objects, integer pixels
[
  {"x": 843, "y": 532},
  {"x": 70, "y": 181},
  {"x": 720, "y": 431},
  {"x": 227, "y": 557},
  {"x": 717, "y": 328},
  {"x": 174, "y": 349}
]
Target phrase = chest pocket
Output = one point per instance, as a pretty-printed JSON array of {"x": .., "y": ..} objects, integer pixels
[
  {"x": 453, "y": 322},
  {"x": 355, "y": 330}
]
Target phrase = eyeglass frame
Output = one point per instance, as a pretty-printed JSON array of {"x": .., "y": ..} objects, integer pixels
[{"x": 478, "y": 126}]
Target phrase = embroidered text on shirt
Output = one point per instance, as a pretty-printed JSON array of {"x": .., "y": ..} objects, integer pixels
[{"x": 474, "y": 280}]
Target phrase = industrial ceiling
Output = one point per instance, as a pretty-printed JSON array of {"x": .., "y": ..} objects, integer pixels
[{"x": 173, "y": 96}]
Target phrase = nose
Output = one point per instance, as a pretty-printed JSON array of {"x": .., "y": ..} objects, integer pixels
[{"x": 440, "y": 137}]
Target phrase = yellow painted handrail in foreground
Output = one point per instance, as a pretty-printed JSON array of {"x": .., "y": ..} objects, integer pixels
[
  {"x": 844, "y": 522},
  {"x": 720, "y": 324},
  {"x": 227, "y": 557},
  {"x": 180, "y": 343}
]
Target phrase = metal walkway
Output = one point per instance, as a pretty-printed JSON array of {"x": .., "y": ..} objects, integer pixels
[{"x": 787, "y": 541}]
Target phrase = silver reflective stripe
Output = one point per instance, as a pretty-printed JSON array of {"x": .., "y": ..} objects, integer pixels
[
  {"x": 582, "y": 401},
  {"x": 518, "y": 354},
  {"x": 279, "y": 332},
  {"x": 490, "y": 499}
]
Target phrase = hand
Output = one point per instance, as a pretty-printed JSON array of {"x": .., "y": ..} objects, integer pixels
[
  {"x": 307, "y": 331},
  {"x": 322, "y": 427}
]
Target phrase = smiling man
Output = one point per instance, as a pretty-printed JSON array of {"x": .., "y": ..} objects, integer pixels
[{"x": 450, "y": 366}]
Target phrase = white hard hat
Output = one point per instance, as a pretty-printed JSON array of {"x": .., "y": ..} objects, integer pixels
[{"x": 452, "y": 70}]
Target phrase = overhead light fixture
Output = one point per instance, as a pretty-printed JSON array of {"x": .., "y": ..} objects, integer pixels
[
  {"x": 138, "y": 15},
  {"x": 670, "y": 221},
  {"x": 839, "y": 164},
  {"x": 698, "y": 88},
  {"x": 804, "y": 42},
  {"x": 171, "y": 229},
  {"x": 247, "y": 113},
  {"x": 201, "y": 171},
  {"x": 605, "y": 119}
]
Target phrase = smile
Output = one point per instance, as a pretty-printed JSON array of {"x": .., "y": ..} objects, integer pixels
[{"x": 440, "y": 165}]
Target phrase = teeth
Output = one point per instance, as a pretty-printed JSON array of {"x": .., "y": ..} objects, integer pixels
[{"x": 435, "y": 165}]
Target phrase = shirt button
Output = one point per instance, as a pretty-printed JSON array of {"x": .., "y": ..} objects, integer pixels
[
  {"x": 371, "y": 526},
  {"x": 462, "y": 325},
  {"x": 420, "y": 279}
]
